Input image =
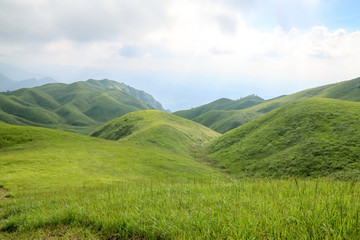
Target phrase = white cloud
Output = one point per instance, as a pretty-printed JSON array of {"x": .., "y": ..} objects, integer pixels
[
  {"x": 179, "y": 35},
  {"x": 80, "y": 20}
]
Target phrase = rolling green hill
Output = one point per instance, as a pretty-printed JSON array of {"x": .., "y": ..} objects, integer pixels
[
  {"x": 61, "y": 185},
  {"x": 35, "y": 157},
  {"x": 313, "y": 137},
  {"x": 148, "y": 184},
  {"x": 224, "y": 120},
  {"x": 220, "y": 104},
  {"x": 79, "y": 107},
  {"x": 157, "y": 128}
]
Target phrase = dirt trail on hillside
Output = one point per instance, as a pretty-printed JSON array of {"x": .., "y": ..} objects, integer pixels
[
  {"x": 3, "y": 197},
  {"x": 3, "y": 193}
]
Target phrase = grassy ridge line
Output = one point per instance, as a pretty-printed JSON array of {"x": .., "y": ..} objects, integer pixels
[
  {"x": 312, "y": 137},
  {"x": 227, "y": 120},
  {"x": 261, "y": 209},
  {"x": 80, "y": 106},
  {"x": 157, "y": 129},
  {"x": 220, "y": 104},
  {"x": 222, "y": 121},
  {"x": 346, "y": 90}
]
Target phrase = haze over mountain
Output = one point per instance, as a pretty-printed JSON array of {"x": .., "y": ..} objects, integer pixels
[
  {"x": 7, "y": 84},
  {"x": 81, "y": 106}
]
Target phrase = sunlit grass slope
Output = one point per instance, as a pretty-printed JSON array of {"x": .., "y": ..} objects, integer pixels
[
  {"x": 225, "y": 120},
  {"x": 79, "y": 107},
  {"x": 159, "y": 129},
  {"x": 70, "y": 186},
  {"x": 32, "y": 158},
  {"x": 313, "y": 137}
]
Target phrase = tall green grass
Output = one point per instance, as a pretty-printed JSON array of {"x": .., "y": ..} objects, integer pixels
[{"x": 201, "y": 209}]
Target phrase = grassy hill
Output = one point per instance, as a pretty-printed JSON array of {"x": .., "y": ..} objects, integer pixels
[
  {"x": 148, "y": 181},
  {"x": 61, "y": 185},
  {"x": 157, "y": 128},
  {"x": 220, "y": 104},
  {"x": 225, "y": 120},
  {"x": 313, "y": 137},
  {"x": 33, "y": 157},
  {"x": 79, "y": 107}
]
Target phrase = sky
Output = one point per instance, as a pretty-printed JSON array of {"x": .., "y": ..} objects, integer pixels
[{"x": 184, "y": 52}]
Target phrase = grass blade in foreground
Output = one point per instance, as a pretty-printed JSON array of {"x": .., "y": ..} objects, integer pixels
[{"x": 251, "y": 209}]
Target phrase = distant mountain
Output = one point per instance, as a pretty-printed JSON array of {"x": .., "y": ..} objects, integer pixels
[
  {"x": 7, "y": 84},
  {"x": 80, "y": 106},
  {"x": 307, "y": 138},
  {"x": 34, "y": 82},
  {"x": 205, "y": 114},
  {"x": 158, "y": 129},
  {"x": 224, "y": 120}
]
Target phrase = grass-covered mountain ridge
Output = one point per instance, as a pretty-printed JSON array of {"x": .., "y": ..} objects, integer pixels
[
  {"x": 226, "y": 118},
  {"x": 80, "y": 106},
  {"x": 314, "y": 137}
]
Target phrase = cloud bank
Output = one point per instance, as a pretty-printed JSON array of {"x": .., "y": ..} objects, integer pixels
[{"x": 271, "y": 42}]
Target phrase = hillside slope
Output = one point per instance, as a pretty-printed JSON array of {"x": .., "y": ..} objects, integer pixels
[
  {"x": 80, "y": 106},
  {"x": 34, "y": 157},
  {"x": 159, "y": 129},
  {"x": 220, "y": 104},
  {"x": 223, "y": 121},
  {"x": 312, "y": 137}
]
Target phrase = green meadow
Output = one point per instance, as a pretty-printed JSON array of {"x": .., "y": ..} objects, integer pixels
[
  {"x": 196, "y": 209},
  {"x": 59, "y": 185},
  {"x": 292, "y": 173}
]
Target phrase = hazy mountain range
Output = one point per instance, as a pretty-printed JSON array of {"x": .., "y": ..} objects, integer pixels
[{"x": 7, "y": 84}]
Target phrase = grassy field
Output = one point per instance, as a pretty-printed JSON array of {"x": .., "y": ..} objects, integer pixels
[
  {"x": 154, "y": 181},
  {"x": 200, "y": 209}
]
